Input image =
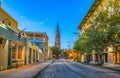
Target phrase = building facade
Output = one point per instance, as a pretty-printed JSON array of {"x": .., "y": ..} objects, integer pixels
[
  {"x": 33, "y": 53},
  {"x": 41, "y": 40},
  {"x": 112, "y": 53},
  {"x": 11, "y": 48},
  {"x": 15, "y": 48},
  {"x": 50, "y": 53}
]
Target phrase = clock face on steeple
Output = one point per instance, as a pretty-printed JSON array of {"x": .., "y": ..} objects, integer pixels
[{"x": 6, "y": 22}]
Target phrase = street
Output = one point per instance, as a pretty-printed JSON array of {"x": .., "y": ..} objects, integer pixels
[
  {"x": 59, "y": 39},
  {"x": 68, "y": 69}
]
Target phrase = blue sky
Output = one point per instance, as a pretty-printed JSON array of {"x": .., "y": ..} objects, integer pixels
[{"x": 42, "y": 16}]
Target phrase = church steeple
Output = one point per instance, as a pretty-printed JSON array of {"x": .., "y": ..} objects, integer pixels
[
  {"x": 0, "y": 4},
  {"x": 57, "y": 37}
]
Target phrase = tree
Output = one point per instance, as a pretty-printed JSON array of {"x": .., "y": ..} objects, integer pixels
[
  {"x": 102, "y": 32},
  {"x": 56, "y": 51},
  {"x": 82, "y": 46}
]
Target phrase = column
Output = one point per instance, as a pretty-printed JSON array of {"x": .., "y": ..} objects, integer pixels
[
  {"x": 26, "y": 61},
  {"x": 117, "y": 57},
  {"x": 31, "y": 55},
  {"x": 35, "y": 56}
]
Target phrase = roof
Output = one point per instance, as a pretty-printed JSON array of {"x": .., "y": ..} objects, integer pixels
[
  {"x": 7, "y": 13},
  {"x": 90, "y": 12},
  {"x": 36, "y": 33}
]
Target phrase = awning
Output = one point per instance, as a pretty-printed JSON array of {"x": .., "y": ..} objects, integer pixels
[
  {"x": 115, "y": 51},
  {"x": 104, "y": 52},
  {"x": 89, "y": 54},
  {"x": 4, "y": 26},
  {"x": 100, "y": 53}
]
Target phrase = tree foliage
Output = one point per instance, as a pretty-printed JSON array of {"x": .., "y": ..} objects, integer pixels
[
  {"x": 102, "y": 31},
  {"x": 56, "y": 51}
]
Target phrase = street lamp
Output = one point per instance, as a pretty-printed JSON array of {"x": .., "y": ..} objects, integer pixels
[{"x": 78, "y": 34}]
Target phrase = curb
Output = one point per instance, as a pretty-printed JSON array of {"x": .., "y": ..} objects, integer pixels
[
  {"x": 103, "y": 67},
  {"x": 42, "y": 69},
  {"x": 111, "y": 69}
]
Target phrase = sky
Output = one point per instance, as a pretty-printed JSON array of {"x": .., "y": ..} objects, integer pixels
[{"x": 42, "y": 16}]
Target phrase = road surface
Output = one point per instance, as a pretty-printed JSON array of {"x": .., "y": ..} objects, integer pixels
[{"x": 68, "y": 69}]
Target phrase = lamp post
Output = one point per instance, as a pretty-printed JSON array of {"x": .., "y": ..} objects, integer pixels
[{"x": 77, "y": 33}]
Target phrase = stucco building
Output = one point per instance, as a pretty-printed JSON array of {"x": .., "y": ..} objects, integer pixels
[
  {"x": 41, "y": 40},
  {"x": 15, "y": 48},
  {"x": 11, "y": 48},
  {"x": 112, "y": 53}
]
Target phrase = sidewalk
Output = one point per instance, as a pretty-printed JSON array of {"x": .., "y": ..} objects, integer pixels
[
  {"x": 108, "y": 66},
  {"x": 28, "y": 71},
  {"x": 112, "y": 67}
]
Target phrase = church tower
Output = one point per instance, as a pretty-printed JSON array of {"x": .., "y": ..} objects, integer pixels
[{"x": 57, "y": 37}]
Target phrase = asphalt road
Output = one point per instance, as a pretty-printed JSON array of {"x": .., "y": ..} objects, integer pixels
[{"x": 69, "y": 69}]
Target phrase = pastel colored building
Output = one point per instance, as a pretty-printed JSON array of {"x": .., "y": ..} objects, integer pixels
[
  {"x": 15, "y": 48},
  {"x": 41, "y": 40},
  {"x": 112, "y": 53},
  {"x": 11, "y": 48}
]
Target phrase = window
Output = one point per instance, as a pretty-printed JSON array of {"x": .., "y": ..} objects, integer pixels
[
  {"x": 0, "y": 47},
  {"x": 2, "y": 43},
  {"x": 30, "y": 53},
  {"x": 19, "y": 52},
  {"x": 13, "y": 51},
  {"x": 6, "y": 22}
]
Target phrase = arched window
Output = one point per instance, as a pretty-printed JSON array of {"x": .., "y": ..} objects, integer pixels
[{"x": 6, "y": 22}]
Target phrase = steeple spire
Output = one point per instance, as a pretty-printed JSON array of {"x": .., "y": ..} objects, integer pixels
[
  {"x": 57, "y": 24},
  {"x": 57, "y": 37}
]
